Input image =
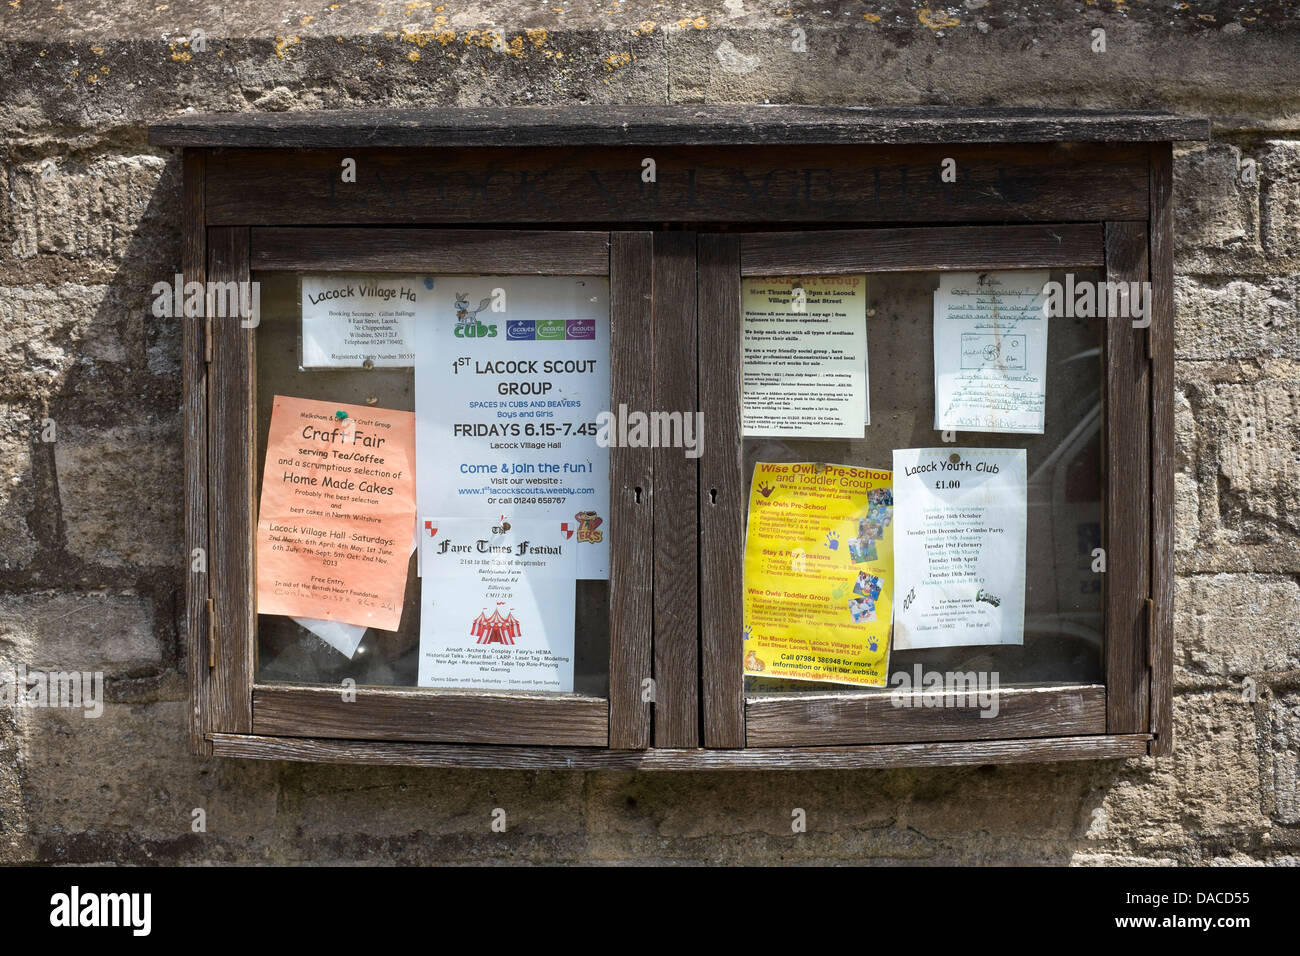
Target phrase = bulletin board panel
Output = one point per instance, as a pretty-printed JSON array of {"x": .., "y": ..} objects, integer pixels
[
  {"x": 1113, "y": 705},
  {"x": 1062, "y": 189},
  {"x": 236, "y": 702}
]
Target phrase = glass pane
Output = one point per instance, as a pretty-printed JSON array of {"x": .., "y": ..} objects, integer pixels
[
  {"x": 504, "y": 425},
  {"x": 1064, "y": 484}
]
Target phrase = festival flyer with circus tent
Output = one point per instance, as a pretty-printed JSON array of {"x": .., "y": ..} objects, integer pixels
[{"x": 496, "y": 603}]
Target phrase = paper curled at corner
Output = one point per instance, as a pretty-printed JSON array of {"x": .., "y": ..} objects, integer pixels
[{"x": 344, "y": 638}]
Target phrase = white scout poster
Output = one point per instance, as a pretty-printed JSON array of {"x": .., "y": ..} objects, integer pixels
[
  {"x": 990, "y": 352},
  {"x": 510, "y": 376},
  {"x": 805, "y": 356},
  {"x": 496, "y": 605},
  {"x": 350, "y": 320},
  {"x": 959, "y": 547}
]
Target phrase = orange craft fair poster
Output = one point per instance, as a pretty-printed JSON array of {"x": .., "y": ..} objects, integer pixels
[{"x": 337, "y": 519}]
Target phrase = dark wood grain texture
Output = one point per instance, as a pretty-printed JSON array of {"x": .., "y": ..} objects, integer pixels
[
  {"x": 631, "y": 274},
  {"x": 676, "y": 530},
  {"x": 722, "y": 492},
  {"x": 375, "y": 714},
  {"x": 441, "y": 251},
  {"x": 1127, "y": 511},
  {"x": 833, "y": 720},
  {"x": 194, "y": 414},
  {"x": 231, "y": 508},
  {"x": 933, "y": 249},
  {"x": 662, "y": 125},
  {"x": 888, "y": 756},
  {"x": 1163, "y": 462},
  {"x": 743, "y": 184}
]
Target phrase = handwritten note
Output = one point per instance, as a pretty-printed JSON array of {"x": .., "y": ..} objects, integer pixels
[{"x": 990, "y": 352}]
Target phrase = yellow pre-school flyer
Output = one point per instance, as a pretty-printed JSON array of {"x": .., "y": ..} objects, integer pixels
[{"x": 819, "y": 573}]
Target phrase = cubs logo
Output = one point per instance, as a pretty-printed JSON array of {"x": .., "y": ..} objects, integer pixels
[{"x": 467, "y": 324}]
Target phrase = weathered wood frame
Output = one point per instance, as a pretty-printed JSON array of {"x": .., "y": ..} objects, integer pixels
[{"x": 853, "y": 176}]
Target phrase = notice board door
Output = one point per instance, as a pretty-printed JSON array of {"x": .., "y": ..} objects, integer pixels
[
  {"x": 1080, "y": 667},
  {"x": 266, "y": 674}
]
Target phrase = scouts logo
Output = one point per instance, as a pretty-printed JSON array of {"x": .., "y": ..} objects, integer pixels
[
  {"x": 588, "y": 522},
  {"x": 467, "y": 324},
  {"x": 521, "y": 330},
  {"x": 495, "y": 629},
  {"x": 551, "y": 330}
]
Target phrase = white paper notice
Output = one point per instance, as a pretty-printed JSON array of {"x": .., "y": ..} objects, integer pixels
[
  {"x": 805, "y": 356},
  {"x": 348, "y": 320},
  {"x": 510, "y": 376},
  {"x": 496, "y": 606},
  {"x": 959, "y": 547},
  {"x": 990, "y": 352}
]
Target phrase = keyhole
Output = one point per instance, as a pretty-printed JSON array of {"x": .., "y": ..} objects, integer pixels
[
  {"x": 638, "y": 495},
  {"x": 713, "y": 496}
]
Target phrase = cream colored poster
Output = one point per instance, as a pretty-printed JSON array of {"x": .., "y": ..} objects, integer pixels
[
  {"x": 805, "y": 356},
  {"x": 496, "y": 604}
]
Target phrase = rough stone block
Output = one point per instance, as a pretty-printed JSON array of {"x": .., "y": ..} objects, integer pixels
[
  {"x": 1259, "y": 455},
  {"x": 94, "y": 209},
  {"x": 1282, "y": 776},
  {"x": 48, "y": 331},
  {"x": 1245, "y": 456},
  {"x": 122, "y": 787},
  {"x": 122, "y": 493},
  {"x": 1216, "y": 215},
  {"x": 1237, "y": 318},
  {"x": 1230, "y": 626},
  {"x": 1280, "y": 199},
  {"x": 98, "y": 631},
  {"x": 428, "y": 816},
  {"x": 17, "y": 542},
  {"x": 1208, "y": 788},
  {"x": 14, "y": 845}
]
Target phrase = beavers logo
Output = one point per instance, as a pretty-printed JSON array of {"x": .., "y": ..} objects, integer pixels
[{"x": 588, "y": 522}]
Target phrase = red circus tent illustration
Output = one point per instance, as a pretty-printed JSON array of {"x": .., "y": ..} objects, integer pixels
[{"x": 495, "y": 629}]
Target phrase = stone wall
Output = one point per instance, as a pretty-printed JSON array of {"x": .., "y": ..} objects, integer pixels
[{"x": 91, "y": 562}]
